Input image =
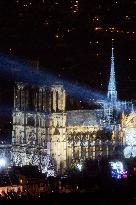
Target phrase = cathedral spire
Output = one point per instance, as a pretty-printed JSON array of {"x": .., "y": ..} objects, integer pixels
[{"x": 112, "y": 92}]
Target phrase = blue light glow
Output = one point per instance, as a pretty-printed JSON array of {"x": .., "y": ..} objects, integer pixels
[
  {"x": 24, "y": 73},
  {"x": 2, "y": 162},
  {"x": 117, "y": 170}
]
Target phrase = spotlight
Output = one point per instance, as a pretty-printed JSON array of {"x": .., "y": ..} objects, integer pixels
[
  {"x": 79, "y": 167},
  {"x": 2, "y": 162},
  {"x": 117, "y": 170}
]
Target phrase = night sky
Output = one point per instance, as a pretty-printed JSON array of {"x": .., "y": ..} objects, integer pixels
[{"x": 72, "y": 39}]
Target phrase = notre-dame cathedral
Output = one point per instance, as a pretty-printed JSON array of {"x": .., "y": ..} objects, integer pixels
[{"x": 45, "y": 134}]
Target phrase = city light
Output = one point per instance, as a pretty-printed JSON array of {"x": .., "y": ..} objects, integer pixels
[
  {"x": 79, "y": 167},
  {"x": 2, "y": 162},
  {"x": 117, "y": 170},
  {"x": 130, "y": 142}
]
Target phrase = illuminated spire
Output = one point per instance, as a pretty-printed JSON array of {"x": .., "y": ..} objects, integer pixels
[{"x": 112, "y": 92}]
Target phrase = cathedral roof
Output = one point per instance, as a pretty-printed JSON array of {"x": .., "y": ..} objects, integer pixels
[{"x": 82, "y": 117}]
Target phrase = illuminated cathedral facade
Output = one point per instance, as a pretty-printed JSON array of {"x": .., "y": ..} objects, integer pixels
[{"x": 46, "y": 135}]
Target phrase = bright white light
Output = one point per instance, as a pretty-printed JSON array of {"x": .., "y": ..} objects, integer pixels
[
  {"x": 117, "y": 170},
  {"x": 130, "y": 141},
  {"x": 130, "y": 136},
  {"x": 50, "y": 173},
  {"x": 79, "y": 167},
  {"x": 2, "y": 162},
  {"x": 117, "y": 165},
  {"x": 130, "y": 151}
]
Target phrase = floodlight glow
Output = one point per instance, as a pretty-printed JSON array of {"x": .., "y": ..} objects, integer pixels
[
  {"x": 130, "y": 151},
  {"x": 25, "y": 73},
  {"x": 79, "y": 167},
  {"x": 130, "y": 141},
  {"x": 50, "y": 173},
  {"x": 130, "y": 134},
  {"x": 2, "y": 162},
  {"x": 117, "y": 170}
]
